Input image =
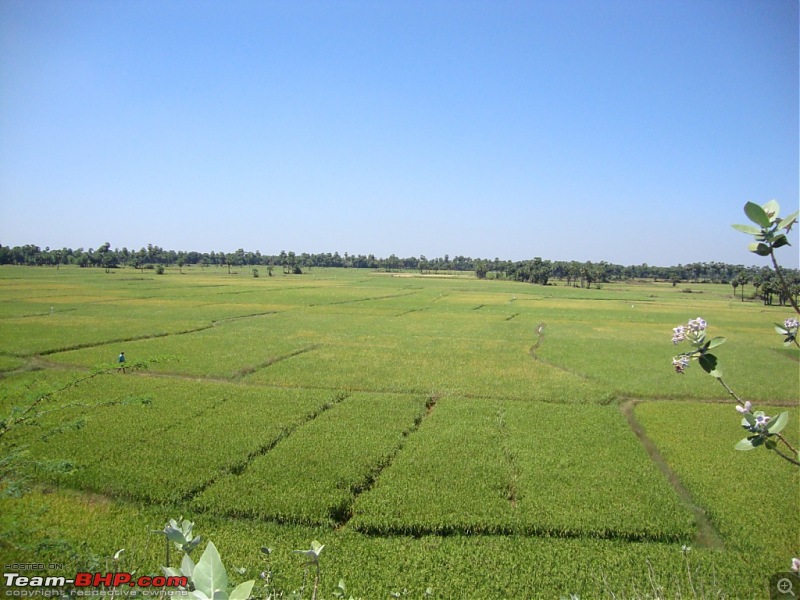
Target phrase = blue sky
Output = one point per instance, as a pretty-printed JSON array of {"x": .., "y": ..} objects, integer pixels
[{"x": 622, "y": 130}]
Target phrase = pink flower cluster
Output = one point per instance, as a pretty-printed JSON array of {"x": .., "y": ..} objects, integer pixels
[
  {"x": 694, "y": 328},
  {"x": 680, "y": 363}
]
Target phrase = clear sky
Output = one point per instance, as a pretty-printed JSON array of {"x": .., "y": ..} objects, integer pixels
[{"x": 621, "y": 130}]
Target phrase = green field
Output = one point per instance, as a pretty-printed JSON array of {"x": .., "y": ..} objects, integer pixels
[{"x": 484, "y": 439}]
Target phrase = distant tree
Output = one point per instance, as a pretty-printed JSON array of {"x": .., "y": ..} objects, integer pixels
[
  {"x": 742, "y": 279},
  {"x": 586, "y": 274}
]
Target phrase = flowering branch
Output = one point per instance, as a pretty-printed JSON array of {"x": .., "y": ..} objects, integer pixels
[
  {"x": 764, "y": 430},
  {"x": 789, "y": 329}
]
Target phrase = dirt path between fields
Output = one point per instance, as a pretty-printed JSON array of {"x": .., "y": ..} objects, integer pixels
[{"x": 707, "y": 535}]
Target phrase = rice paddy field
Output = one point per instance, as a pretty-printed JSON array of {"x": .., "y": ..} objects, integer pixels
[{"x": 442, "y": 436}]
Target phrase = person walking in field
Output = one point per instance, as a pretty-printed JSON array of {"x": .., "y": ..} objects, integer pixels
[{"x": 121, "y": 362}]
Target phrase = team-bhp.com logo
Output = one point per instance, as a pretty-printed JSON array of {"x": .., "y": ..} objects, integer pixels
[{"x": 90, "y": 582}]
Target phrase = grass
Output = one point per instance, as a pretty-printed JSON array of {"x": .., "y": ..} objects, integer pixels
[{"x": 439, "y": 432}]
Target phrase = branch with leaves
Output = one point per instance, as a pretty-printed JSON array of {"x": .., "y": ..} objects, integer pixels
[
  {"x": 770, "y": 233},
  {"x": 764, "y": 430}
]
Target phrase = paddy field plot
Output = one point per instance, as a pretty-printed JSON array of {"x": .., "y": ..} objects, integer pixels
[{"x": 482, "y": 438}]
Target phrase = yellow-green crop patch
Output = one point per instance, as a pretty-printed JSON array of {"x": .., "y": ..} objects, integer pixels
[
  {"x": 524, "y": 467},
  {"x": 751, "y": 501},
  {"x": 467, "y": 435},
  {"x": 188, "y": 434},
  {"x": 312, "y": 476},
  {"x": 589, "y": 461},
  {"x": 231, "y": 348}
]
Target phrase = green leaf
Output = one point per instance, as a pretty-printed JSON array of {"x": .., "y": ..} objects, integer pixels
[
  {"x": 780, "y": 329},
  {"x": 772, "y": 209},
  {"x": 777, "y": 425},
  {"x": 187, "y": 566},
  {"x": 757, "y": 214},
  {"x": 744, "y": 444},
  {"x": 242, "y": 591},
  {"x": 748, "y": 229},
  {"x": 717, "y": 341},
  {"x": 759, "y": 248},
  {"x": 174, "y": 535},
  {"x": 708, "y": 362},
  {"x": 780, "y": 241},
  {"x": 748, "y": 420},
  {"x": 788, "y": 220},
  {"x": 172, "y": 572},
  {"x": 716, "y": 373},
  {"x": 770, "y": 444},
  {"x": 193, "y": 544},
  {"x": 209, "y": 573}
]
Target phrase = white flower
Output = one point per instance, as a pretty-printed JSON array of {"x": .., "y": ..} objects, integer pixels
[
  {"x": 790, "y": 323},
  {"x": 762, "y": 420},
  {"x": 678, "y": 334},
  {"x": 680, "y": 363},
  {"x": 697, "y": 324},
  {"x": 796, "y": 565},
  {"x": 746, "y": 408}
]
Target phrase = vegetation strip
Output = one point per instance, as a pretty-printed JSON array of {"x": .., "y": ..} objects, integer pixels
[
  {"x": 240, "y": 467},
  {"x": 250, "y": 370},
  {"x": 479, "y": 467},
  {"x": 122, "y": 340},
  {"x": 369, "y": 481},
  {"x": 412, "y": 310},
  {"x": 539, "y": 331},
  {"x": 362, "y": 299},
  {"x": 509, "y": 455},
  {"x": 288, "y": 485}
]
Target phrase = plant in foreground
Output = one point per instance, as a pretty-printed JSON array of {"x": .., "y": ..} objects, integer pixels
[
  {"x": 180, "y": 533},
  {"x": 770, "y": 233},
  {"x": 763, "y": 429},
  {"x": 208, "y": 579}
]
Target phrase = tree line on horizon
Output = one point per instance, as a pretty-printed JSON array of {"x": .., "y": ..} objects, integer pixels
[{"x": 762, "y": 280}]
